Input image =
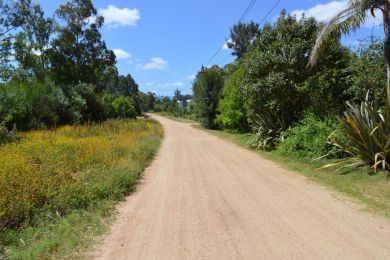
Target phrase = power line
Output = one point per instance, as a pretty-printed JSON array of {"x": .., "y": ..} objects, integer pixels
[
  {"x": 248, "y": 9},
  {"x": 246, "y": 12},
  {"x": 224, "y": 59},
  {"x": 270, "y": 11},
  {"x": 260, "y": 23}
]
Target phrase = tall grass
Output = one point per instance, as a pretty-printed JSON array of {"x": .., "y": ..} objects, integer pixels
[{"x": 50, "y": 174}]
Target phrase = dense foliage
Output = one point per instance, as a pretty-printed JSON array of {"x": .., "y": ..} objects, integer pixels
[
  {"x": 271, "y": 91},
  {"x": 232, "y": 112},
  {"x": 207, "y": 90},
  {"x": 277, "y": 77},
  {"x": 123, "y": 107},
  {"x": 58, "y": 70},
  {"x": 309, "y": 138}
]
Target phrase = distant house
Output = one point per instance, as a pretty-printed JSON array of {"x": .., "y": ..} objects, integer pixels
[{"x": 184, "y": 103}]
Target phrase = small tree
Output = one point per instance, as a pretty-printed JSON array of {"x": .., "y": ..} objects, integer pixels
[
  {"x": 232, "y": 109},
  {"x": 242, "y": 37},
  {"x": 124, "y": 108},
  {"x": 207, "y": 90}
]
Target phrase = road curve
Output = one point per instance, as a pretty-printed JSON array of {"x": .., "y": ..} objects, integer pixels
[{"x": 205, "y": 198}]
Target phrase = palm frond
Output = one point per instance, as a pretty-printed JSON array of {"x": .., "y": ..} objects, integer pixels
[{"x": 351, "y": 18}]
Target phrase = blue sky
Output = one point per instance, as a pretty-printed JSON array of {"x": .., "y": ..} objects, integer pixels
[{"x": 162, "y": 44}]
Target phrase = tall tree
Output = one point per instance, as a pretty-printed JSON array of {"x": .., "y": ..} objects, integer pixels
[
  {"x": 207, "y": 90},
  {"x": 276, "y": 75},
  {"x": 351, "y": 18},
  {"x": 32, "y": 42},
  {"x": 10, "y": 19},
  {"x": 126, "y": 86},
  {"x": 232, "y": 108},
  {"x": 78, "y": 53},
  {"x": 242, "y": 36}
]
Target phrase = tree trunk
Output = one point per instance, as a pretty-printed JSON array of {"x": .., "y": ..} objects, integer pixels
[{"x": 386, "y": 25}]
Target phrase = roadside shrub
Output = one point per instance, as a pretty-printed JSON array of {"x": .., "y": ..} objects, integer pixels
[
  {"x": 124, "y": 108},
  {"x": 7, "y": 136},
  {"x": 308, "y": 138},
  {"x": 365, "y": 137},
  {"x": 268, "y": 126},
  {"x": 233, "y": 114}
]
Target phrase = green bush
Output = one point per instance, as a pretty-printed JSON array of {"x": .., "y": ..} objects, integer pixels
[
  {"x": 365, "y": 137},
  {"x": 7, "y": 136},
  {"x": 308, "y": 138},
  {"x": 233, "y": 114},
  {"x": 269, "y": 126},
  {"x": 124, "y": 108}
]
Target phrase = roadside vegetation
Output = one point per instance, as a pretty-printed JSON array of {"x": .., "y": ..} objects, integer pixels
[
  {"x": 72, "y": 139},
  {"x": 329, "y": 105},
  {"x": 57, "y": 70},
  {"x": 50, "y": 180},
  {"x": 299, "y": 96}
]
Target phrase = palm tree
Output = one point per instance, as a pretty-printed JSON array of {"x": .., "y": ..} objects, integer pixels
[{"x": 350, "y": 19}]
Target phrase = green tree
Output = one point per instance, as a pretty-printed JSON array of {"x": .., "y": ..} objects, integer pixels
[
  {"x": 231, "y": 105},
  {"x": 276, "y": 75},
  {"x": 177, "y": 96},
  {"x": 207, "y": 90},
  {"x": 10, "y": 20},
  {"x": 147, "y": 101},
  {"x": 124, "y": 108},
  {"x": 79, "y": 54},
  {"x": 242, "y": 37},
  {"x": 368, "y": 71},
  {"x": 32, "y": 41},
  {"x": 126, "y": 86},
  {"x": 351, "y": 18}
]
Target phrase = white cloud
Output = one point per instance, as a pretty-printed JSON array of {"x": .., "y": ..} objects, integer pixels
[
  {"x": 122, "y": 54},
  {"x": 191, "y": 77},
  {"x": 149, "y": 84},
  {"x": 155, "y": 63},
  {"x": 225, "y": 45},
  {"x": 173, "y": 84},
  {"x": 324, "y": 12},
  {"x": 116, "y": 17}
]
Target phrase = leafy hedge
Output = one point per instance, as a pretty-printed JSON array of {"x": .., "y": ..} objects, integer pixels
[{"x": 308, "y": 138}]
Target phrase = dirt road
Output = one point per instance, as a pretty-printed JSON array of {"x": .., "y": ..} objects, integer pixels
[{"x": 205, "y": 198}]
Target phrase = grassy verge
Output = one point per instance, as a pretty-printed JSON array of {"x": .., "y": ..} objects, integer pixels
[
  {"x": 58, "y": 188},
  {"x": 373, "y": 190},
  {"x": 178, "y": 119}
]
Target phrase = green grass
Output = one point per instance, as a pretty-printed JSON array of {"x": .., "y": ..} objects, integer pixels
[
  {"x": 372, "y": 190},
  {"x": 58, "y": 188},
  {"x": 178, "y": 119}
]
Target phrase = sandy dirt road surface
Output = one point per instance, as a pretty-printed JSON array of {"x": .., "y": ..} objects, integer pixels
[{"x": 205, "y": 198}]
